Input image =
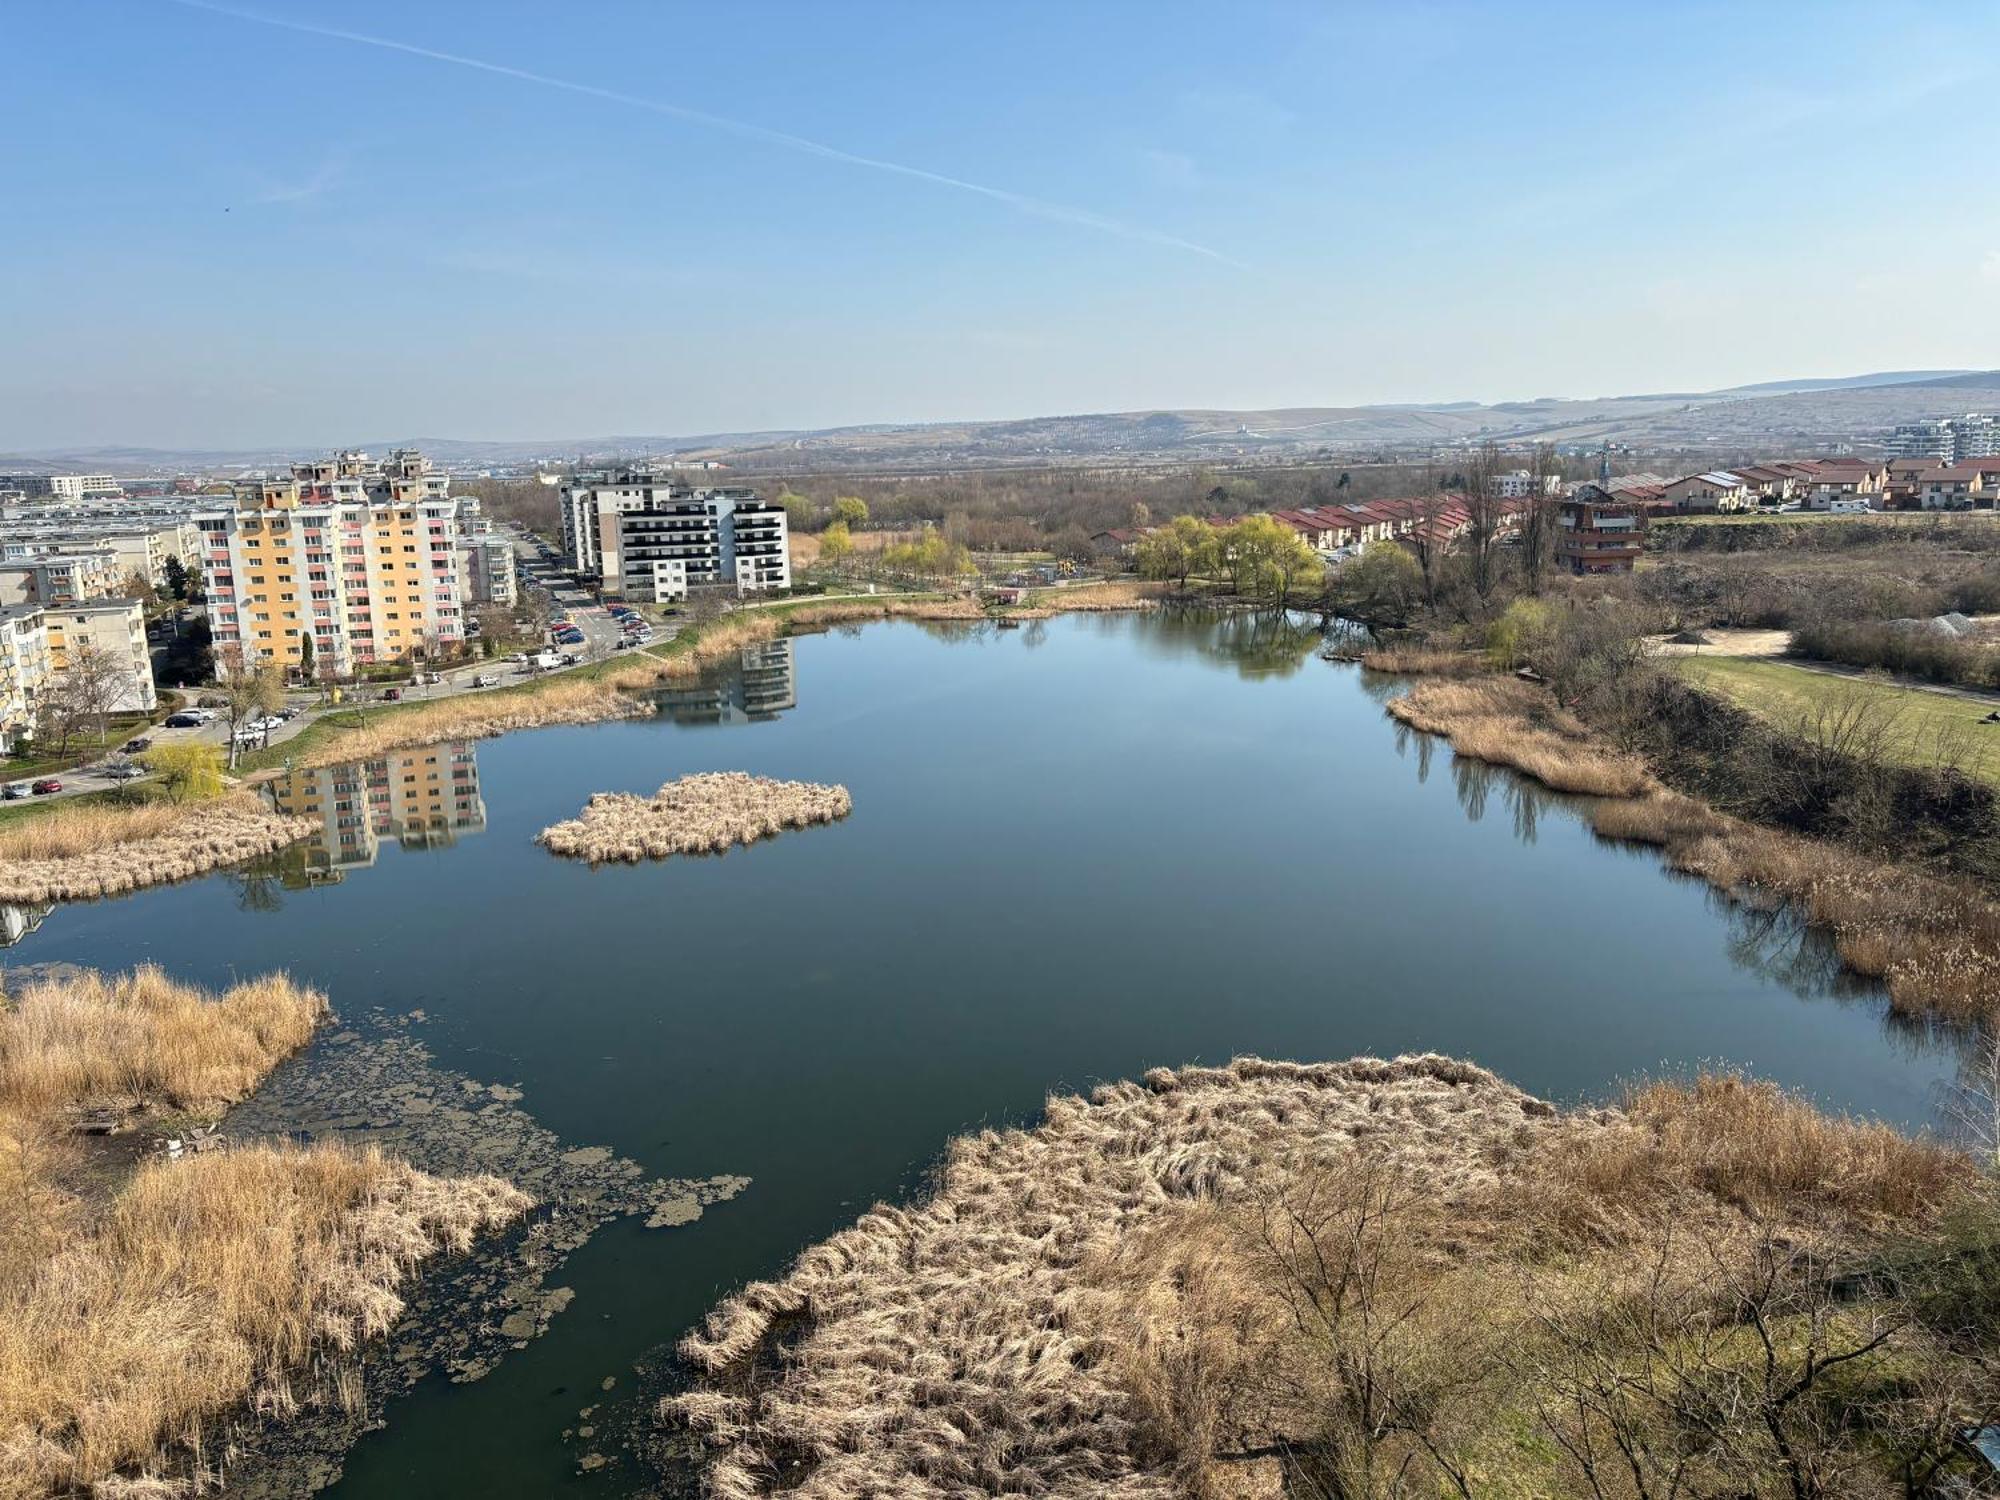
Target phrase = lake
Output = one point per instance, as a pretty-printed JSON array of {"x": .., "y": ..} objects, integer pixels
[{"x": 1078, "y": 850}]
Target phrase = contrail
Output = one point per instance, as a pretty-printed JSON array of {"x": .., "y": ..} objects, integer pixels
[{"x": 1020, "y": 202}]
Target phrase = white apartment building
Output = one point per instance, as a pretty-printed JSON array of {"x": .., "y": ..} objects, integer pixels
[
  {"x": 358, "y": 556},
  {"x": 114, "y": 628},
  {"x": 83, "y": 486},
  {"x": 1948, "y": 440},
  {"x": 651, "y": 538},
  {"x": 60, "y": 578},
  {"x": 486, "y": 564},
  {"x": 24, "y": 671}
]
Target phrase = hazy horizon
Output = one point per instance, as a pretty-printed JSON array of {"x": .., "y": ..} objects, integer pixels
[{"x": 253, "y": 224}]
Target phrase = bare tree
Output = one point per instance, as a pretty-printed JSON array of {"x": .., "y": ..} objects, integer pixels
[
  {"x": 1538, "y": 518},
  {"x": 251, "y": 689},
  {"x": 1486, "y": 512}
]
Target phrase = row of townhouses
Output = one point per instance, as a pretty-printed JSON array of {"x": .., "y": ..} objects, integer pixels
[{"x": 1830, "y": 484}]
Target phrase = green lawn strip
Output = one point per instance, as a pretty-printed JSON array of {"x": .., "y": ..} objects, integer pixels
[{"x": 1780, "y": 691}]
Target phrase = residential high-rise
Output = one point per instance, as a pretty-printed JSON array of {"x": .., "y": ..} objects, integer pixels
[
  {"x": 357, "y": 555},
  {"x": 1946, "y": 439},
  {"x": 650, "y": 538}
]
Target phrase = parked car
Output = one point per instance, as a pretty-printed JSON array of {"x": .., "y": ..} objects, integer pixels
[
  {"x": 183, "y": 721},
  {"x": 125, "y": 772},
  {"x": 481, "y": 679},
  {"x": 47, "y": 786},
  {"x": 134, "y": 747},
  {"x": 266, "y": 723},
  {"x": 16, "y": 790}
]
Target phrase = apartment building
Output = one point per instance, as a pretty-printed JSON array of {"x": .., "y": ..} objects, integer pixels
[
  {"x": 358, "y": 556},
  {"x": 650, "y": 538},
  {"x": 486, "y": 565},
  {"x": 139, "y": 544},
  {"x": 24, "y": 671},
  {"x": 1599, "y": 532},
  {"x": 83, "y": 486},
  {"x": 114, "y": 629},
  {"x": 60, "y": 578},
  {"x": 1946, "y": 440}
]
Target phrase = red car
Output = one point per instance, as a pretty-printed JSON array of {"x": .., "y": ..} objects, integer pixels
[{"x": 47, "y": 785}]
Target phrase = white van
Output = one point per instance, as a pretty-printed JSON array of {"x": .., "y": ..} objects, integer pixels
[{"x": 1846, "y": 507}]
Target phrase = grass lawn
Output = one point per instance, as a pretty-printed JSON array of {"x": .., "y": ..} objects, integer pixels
[{"x": 1782, "y": 691}]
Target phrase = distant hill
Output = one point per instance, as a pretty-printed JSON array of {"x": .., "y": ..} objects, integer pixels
[{"x": 1787, "y": 416}]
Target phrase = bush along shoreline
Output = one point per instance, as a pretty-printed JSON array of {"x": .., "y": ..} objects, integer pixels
[{"x": 1932, "y": 938}]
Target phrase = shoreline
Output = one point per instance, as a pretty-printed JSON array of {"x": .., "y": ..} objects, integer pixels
[
  {"x": 1932, "y": 942},
  {"x": 1206, "y": 1283}
]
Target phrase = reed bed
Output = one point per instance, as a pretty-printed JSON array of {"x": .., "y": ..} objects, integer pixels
[
  {"x": 1424, "y": 661},
  {"x": 708, "y": 813},
  {"x": 561, "y": 699},
  {"x": 1093, "y": 598},
  {"x": 1934, "y": 943},
  {"x": 132, "y": 1326},
  {"x": 959, "y": 1348},
  {"x": 94, "y": 1041},
  {"x": 1508, "y": 722},
  {"x": 1121, "y": 1301},
  {"x": 85, "y": 851},
  {"x": 211, "y": 1282}
]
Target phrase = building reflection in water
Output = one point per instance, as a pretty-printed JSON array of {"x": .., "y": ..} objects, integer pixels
[
  {"x": 761, "y": 684},
  {"x": 421, "y": 799},
  {"x": 17, "y": 922}
]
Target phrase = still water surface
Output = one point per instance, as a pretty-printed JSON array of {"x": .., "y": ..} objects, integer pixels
[{"x": 1078, "y": 850}]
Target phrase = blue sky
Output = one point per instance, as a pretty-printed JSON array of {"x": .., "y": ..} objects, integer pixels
[{"x": 677, "y": 218}]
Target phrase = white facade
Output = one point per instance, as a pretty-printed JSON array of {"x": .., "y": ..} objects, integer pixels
[
  {"x": 24, "y": 671},
  {"x": 652, "y": 539},
  {"x": 1946, "y": 439},
  {"x": 115, "y": 628},
  {"x": 83, "y": 486}
]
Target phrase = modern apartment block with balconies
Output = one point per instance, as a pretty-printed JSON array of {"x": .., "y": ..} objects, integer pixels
[{"x": 650, "y": 538}]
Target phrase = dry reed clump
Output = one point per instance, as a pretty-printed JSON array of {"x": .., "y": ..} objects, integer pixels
[
  {"x": 1934, "y": 943},
  {"x": 701, "y": 814},
  {"x": 961, "y": 1347},
  {"x": 85, "y": 851},
  {"x": 93, "y": 1041},
  {"x": 1512, "y": 723},
  {"x": 552, "y": 700},
  {"x": 1425, "y": 661},
  {"x": 209, "y": 1282},
  {"x": 1093, "y": 598},
  {"x": 1160, "y": 1290},
  {"x": 131, "y": 1325}
]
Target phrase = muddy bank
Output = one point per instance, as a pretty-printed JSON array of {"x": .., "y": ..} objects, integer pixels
[{"x": 375, "y": 1082}]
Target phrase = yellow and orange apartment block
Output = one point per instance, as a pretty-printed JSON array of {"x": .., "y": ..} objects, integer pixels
[{"x": 357, "y": 555}]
